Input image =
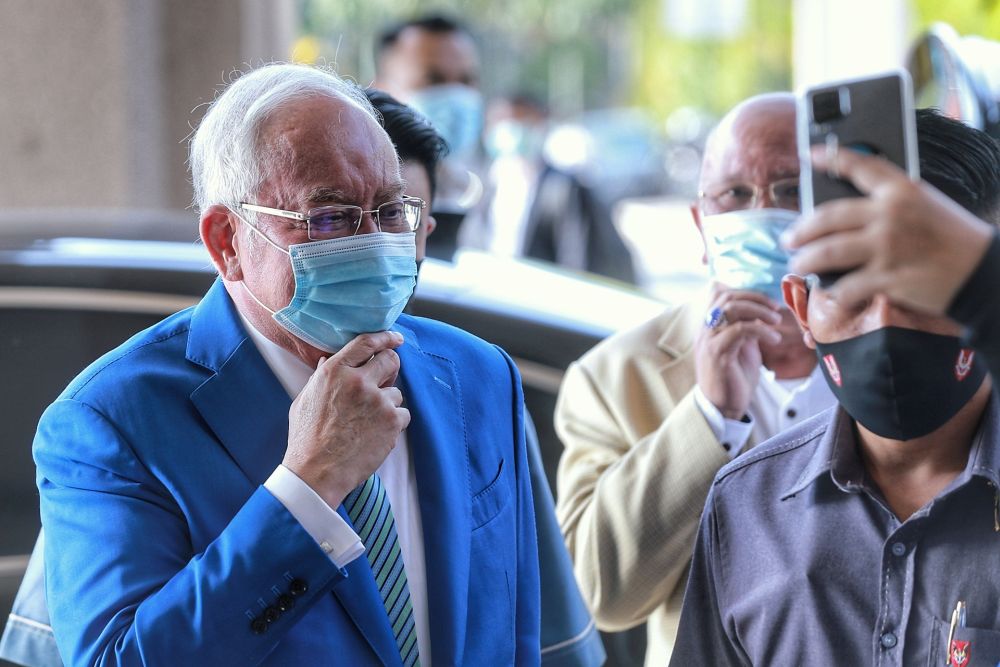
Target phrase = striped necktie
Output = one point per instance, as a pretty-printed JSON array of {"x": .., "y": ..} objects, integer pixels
[{"x": 368, "y": 507}]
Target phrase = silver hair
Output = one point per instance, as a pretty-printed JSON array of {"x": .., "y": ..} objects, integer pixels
[{"x": 226, "y": 164}]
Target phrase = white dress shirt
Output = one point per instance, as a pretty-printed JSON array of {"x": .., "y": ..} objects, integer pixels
[
  {"x": 515, "y": 180},
  {"x": 775, "y": 406},
  {"x": 334, "y": 535}
]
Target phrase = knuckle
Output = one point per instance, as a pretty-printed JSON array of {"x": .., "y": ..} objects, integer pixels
[
  {"x": 353, "y": 383},
  {"x": 725, "y": 295},
  {"x": 898, "y": 201},
  {"x": 373, "y": 342}
]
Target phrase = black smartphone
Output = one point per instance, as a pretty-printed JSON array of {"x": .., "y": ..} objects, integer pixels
[{"x": 871, "y": 114}]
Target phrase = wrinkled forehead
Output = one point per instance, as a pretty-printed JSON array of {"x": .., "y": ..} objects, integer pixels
[
  {"x": 317, "y": 132},
  {"x": 755, "y": 147}
]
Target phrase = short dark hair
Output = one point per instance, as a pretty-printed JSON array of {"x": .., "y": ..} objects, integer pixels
[
  {"x": 435, "y": 23},
  {"x": 960, "y": 161},
  {"x": 412, "y": 134}
]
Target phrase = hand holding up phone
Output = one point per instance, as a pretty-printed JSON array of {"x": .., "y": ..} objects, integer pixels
[
  {"x": 904, "y": 238},
  {"x": 871, "y": 115}
]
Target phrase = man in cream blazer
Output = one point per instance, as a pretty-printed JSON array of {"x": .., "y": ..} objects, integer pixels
[{"x": 650, "y": 415}]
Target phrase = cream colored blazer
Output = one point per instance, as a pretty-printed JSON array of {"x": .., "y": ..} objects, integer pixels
[{"x": 638, "y": 462}]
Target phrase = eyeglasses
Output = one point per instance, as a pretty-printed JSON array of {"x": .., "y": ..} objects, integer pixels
[
  {"x": 338, "y": 220},
  {"x": 739, "y": 197}
]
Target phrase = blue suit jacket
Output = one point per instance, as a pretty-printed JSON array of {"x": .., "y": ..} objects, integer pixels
[
  {"x": 162, "y": 546},
  {"x": 569, "y": 638}
]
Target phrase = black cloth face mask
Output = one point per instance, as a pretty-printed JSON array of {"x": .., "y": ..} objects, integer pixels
[{"x": 901, "y": 383}]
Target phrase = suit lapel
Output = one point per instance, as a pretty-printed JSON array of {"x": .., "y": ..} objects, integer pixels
[
  {"x": 438, "y": 447},
  {"x": 243, "y": 402},
  {"x": 247, "y": 408},
  {"x": 677, "y": 342}
]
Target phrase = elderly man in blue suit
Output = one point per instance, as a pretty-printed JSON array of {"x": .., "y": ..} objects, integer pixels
[{"x": 290, "y": 472}]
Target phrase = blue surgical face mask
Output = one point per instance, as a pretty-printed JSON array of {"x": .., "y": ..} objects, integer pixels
[
  {"x": 347, "y": 286},
  {"x": 744, "y": 251},
  {"x": 456, "y": 111}
]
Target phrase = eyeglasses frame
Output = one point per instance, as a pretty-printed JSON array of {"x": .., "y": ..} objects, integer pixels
[
  {"x": 758, "y": 190},
  {"x": 307, "y": 217}
]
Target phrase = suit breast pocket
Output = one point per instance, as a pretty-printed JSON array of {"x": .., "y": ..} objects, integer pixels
[
  {"x": 486, "y": 504},
  {"x": 970, "y": 647}
]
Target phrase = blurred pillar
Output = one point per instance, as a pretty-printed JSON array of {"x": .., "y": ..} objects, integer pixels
[
  {"x": 97, "y": 97},
  {"x": 839, "y": 39}
]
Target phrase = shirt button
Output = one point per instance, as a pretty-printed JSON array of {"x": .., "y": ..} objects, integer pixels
[
  {"x": 888, "y": 639},
  {"x": 791, "y": 413},
  {"x": 726, "y": 446},
  {"x": 898, "y": 549}
]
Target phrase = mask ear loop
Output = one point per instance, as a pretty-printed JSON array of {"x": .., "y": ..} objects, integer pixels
[
  {"x": 260, "y": 233},
  {"x": 263, "y": 236},
  {"x": 254, "y": 297}
]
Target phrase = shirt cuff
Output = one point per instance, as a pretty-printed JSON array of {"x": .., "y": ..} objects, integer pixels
[
  {"x": 732, "y": 434},
  {"x": 331, "y": 532}
]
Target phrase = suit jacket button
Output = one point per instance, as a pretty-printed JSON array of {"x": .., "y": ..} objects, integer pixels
[
  {"x": 258, "y": 626},
  {"x": 285, "y": 602},
  {"x": 297, "y": 587},
  {"x": 271, "y": 614}
]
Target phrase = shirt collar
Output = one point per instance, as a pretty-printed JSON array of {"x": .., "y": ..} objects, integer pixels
[
  {"x": 837, "y": 454},
  {"x": 292, "y": 372},
  {"x": 829, "y": 454},
  {"x": 984, "y": 457}
]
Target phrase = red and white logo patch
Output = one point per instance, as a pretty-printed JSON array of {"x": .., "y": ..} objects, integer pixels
[
  {"x": 958, "y": 653},
  {"x": 832, "y": 368},
  {"x": 963, "y": 365}
]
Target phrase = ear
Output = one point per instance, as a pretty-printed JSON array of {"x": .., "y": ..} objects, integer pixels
[
  {"x": 430, "y": 224},
  {"x": 696, "y": 215},
  {"x": 796, "y": 294},
  {"x": 218, "y": 227}
]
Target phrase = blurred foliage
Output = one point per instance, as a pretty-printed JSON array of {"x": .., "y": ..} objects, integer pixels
[
  {"x": 585, "y": 54},
  {"x": 522, "y": 42},
  {"x": 578, "y": 54},
  {"x": 967, "y": 17},
  {"x": 712, "y": 74}
]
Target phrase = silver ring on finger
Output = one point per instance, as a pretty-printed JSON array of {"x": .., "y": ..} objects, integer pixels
[{"x": 715, "y": 318}]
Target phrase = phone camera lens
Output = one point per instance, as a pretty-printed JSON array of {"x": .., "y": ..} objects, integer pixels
[{"x": 827, "y": 106}]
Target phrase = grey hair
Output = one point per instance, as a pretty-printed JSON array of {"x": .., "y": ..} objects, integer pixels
[{"x": 226, "y": 164}]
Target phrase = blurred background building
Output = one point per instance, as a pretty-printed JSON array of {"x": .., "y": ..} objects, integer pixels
[{"x": 98, "y": 97}]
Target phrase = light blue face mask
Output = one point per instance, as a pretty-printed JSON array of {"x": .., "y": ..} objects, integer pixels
[
  {"x": 346, "y": 286},
  {"x": 744, "y": 251},
  {"x": 456, "y": 111}
]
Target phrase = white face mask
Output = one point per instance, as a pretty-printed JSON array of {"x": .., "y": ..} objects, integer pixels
[
  {"x": 346, "y": 286},
  {"x": 744, "y": 251}
]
